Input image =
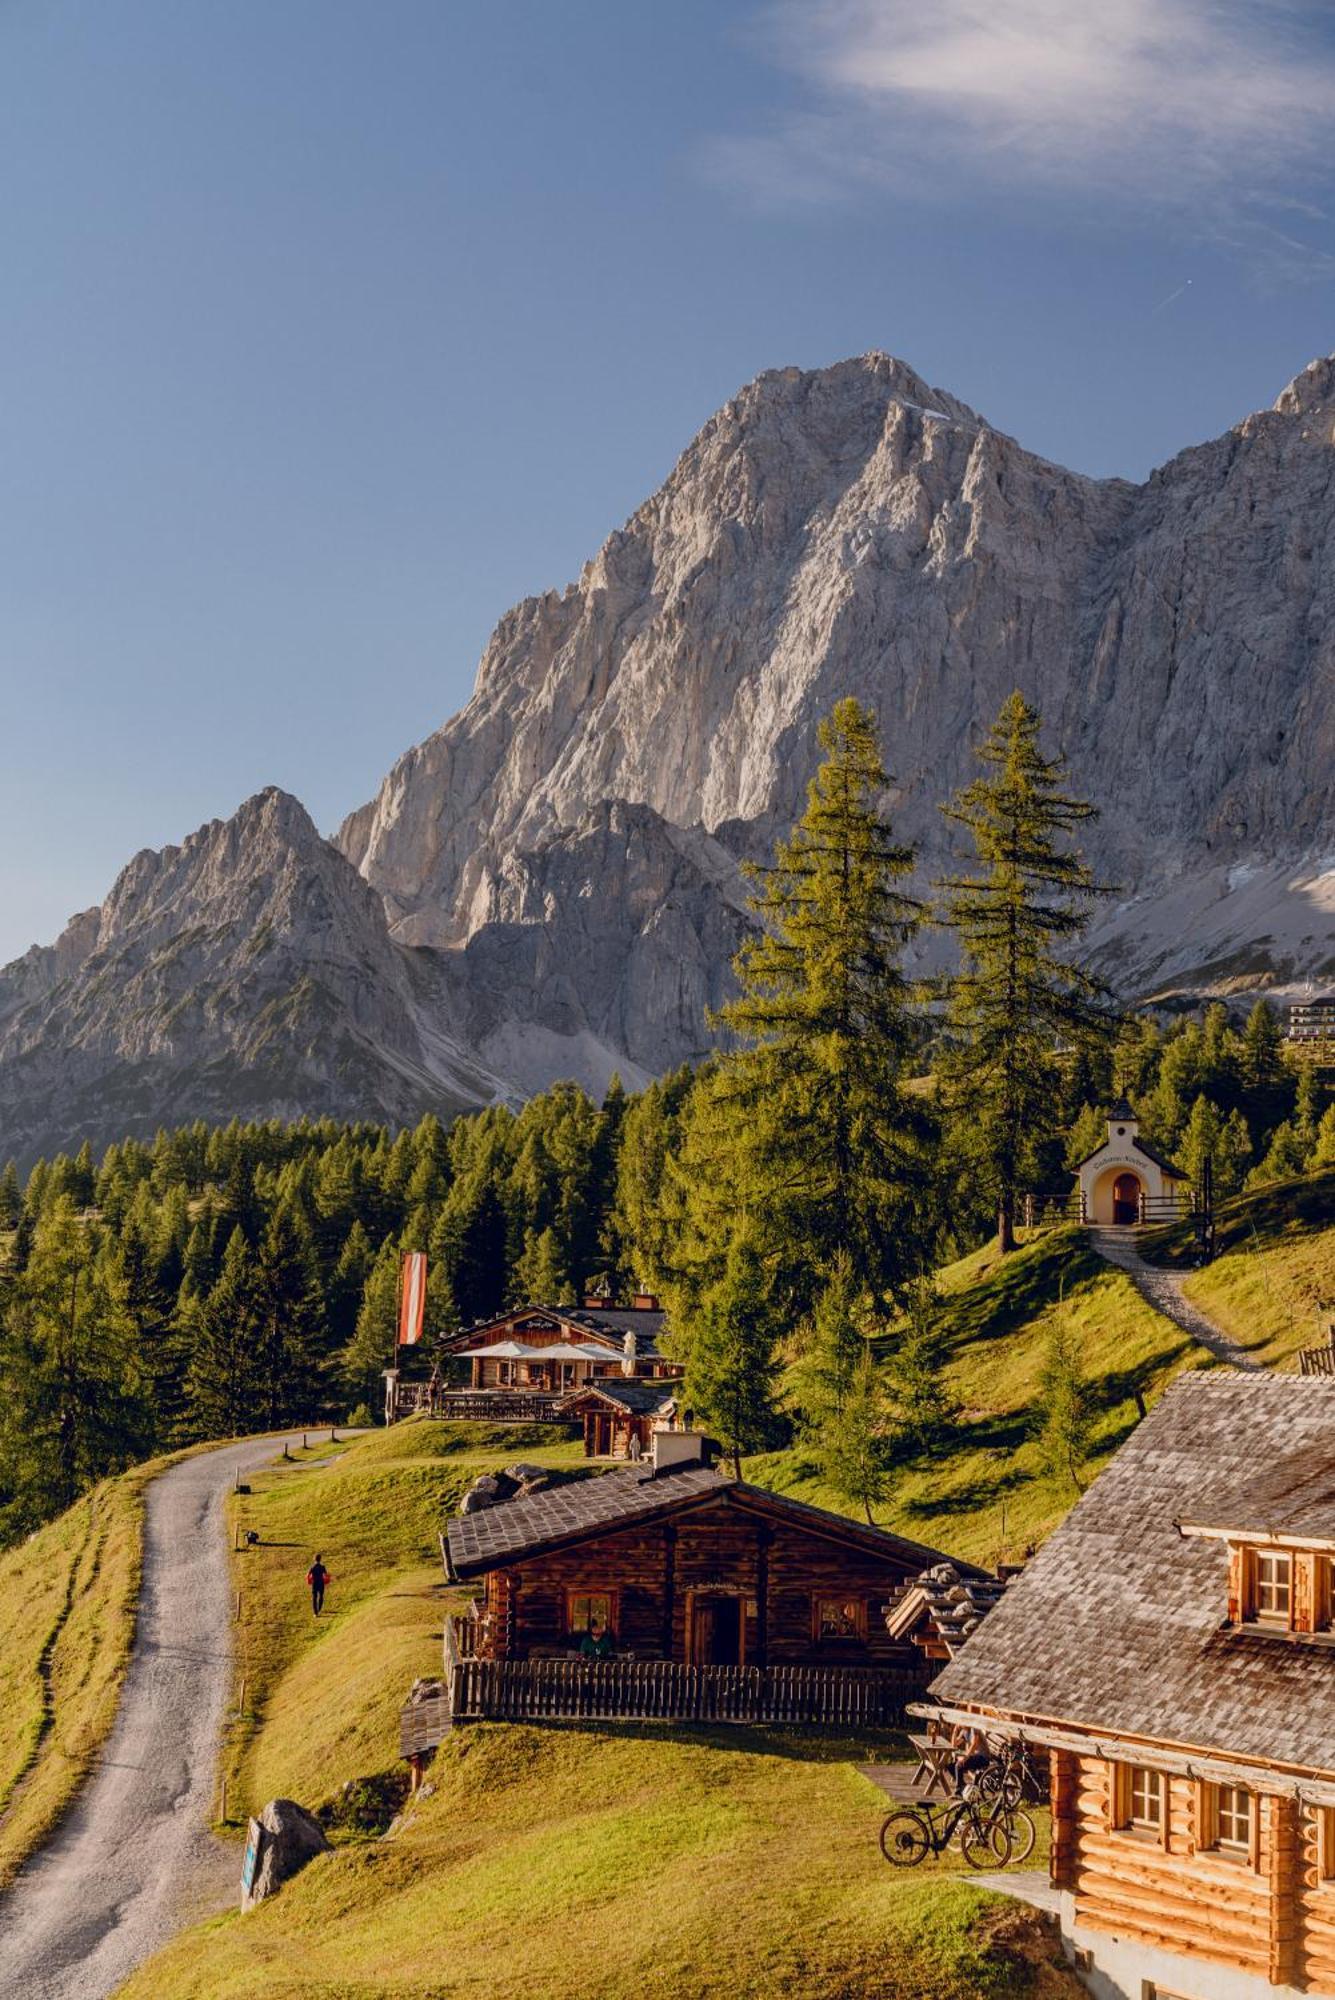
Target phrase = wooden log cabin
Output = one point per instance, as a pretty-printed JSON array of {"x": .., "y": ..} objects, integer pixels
[
  {"x": 722, "y": 1602},
  {"x": 1173, "y": 1647},
  {"x": 620, "y": 1416}
]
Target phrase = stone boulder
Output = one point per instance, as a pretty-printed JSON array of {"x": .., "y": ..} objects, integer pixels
[{"x": 282, "y": 1840}]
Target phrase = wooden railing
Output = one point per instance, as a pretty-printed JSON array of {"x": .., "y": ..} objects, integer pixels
[
  {"x": 1318, "y": 1360},
  {"x": 500, "y": 1406},
  {"x": 497, "y": 1406},
  {"x": 642, "y": 1690}
]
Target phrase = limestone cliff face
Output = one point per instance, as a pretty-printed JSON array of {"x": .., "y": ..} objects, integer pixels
[
  {"x": 247, "y": 972},
  {"x": 854, "y": 530},
  {"x": 550, "y": 885}
]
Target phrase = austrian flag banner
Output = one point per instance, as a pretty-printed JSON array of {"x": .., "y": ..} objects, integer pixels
[{"x": 412, "y": 1298}]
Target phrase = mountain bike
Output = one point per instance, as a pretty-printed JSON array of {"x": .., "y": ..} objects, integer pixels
[{"x": 911, "y": 1833}]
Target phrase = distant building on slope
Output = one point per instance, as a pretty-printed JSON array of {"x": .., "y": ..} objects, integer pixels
[
  {"x": 1173, "y": 1647},
  {"x": 1125, "y": 1181},
  {"x": 1310, "y": 1035},
  {"x": 523, "y": 1365}
]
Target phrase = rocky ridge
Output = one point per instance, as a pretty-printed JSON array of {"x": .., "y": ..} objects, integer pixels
[{"x": 550, "y": 884}]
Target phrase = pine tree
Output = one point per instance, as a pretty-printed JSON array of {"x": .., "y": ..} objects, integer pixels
[
  {"x": 1323, "y": 1154},
  {"x": 542, "y": 1273},
  {"x": 856, "y": 1452},
  {"x": 921, "y": 1405},
  {"x": 372, "y": 1348},
  {"x": 11, "y": 1196},
  {"x": 288, "y": 1320},
  {"x": 72, "y": 1399},
  {"x": 732, "y": 1369},
  {"x": 224, "y": 1392},
  {"x": 830, "y": 1348},
  {"x": 1015, "y": 998},
  {"x": 1065, "y": 1411},
  {"x": 806, "y": 1127}
]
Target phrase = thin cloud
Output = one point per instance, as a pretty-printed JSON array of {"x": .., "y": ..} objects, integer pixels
[{"x": 1174, "y": 101}]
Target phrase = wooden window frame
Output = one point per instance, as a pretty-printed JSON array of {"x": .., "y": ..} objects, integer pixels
[
  {"x": 1282, "y": 1619},
  {"x": 1124, "y": 1789},
  {"x": 1246, "y": 1853},
  {"x": 613, "y": 1597},
  {"x": 840, "y": 1597},
  {"x": 1325, "y": 1846}
]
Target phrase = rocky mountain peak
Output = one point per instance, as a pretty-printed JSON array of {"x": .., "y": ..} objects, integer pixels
[{"x": 549, "y": 885}]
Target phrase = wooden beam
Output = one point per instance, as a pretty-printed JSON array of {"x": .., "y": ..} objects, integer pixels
[{"x": 1218, "y": 1770}]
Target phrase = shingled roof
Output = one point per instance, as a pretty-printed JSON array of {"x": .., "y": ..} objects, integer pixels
[
  {"x": 641, "y": 1394},
  {"x": 1291, "y": 1498},
  {"x": 1119, "y": 1622},
  {"x": 942, "y": 1607},
  {"x": 518, "y": 1529}
]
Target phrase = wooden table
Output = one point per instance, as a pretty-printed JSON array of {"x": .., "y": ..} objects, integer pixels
[{"x": 933, "y": 1771}]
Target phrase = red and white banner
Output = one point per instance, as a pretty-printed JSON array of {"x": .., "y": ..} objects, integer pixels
[{"x": 412, "y": 1298}]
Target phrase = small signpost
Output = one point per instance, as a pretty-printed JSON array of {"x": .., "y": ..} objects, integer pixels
[{"x": 256, "y": 1838}]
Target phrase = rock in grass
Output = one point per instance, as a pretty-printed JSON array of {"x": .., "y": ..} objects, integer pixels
[{"x": 283, "y": 1839}]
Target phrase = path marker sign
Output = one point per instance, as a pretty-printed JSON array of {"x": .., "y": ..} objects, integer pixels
[{"x": 256, "y": 1836}]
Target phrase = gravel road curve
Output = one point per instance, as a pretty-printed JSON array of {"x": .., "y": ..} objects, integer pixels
[{"x": 135, "y": 1857}]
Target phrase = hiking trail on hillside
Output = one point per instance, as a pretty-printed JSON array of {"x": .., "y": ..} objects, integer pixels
[
  {"x": 1164, "y": 1291},
  {"x": 135, "y": 1858}
]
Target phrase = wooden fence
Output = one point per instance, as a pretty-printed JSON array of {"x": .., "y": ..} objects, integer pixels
[
  {"x": 643, "y": 1690},
  {"x": 1318, "y": 1360}
]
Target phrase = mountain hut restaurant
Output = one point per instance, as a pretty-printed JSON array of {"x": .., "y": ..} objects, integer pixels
[
  {"x": 522, "y": 1366},
  {"x": 1173, "y": 1647},
  {"x": 718, "y": 1601}
]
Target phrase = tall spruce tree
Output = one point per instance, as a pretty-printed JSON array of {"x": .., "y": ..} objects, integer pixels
[
  {"x": 804, "y": 1124},
  {"x": 1015, "y": 997}
]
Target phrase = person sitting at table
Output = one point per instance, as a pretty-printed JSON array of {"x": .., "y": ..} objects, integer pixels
[
  {"x": 969, "y": 1755},
  {"x": 596, "y": 1643}
]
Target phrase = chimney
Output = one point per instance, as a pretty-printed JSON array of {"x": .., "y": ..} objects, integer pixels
[
  {"x": 645, "y": 1302},
  {"x": 597, "y": 1302},
  {"x": 629, "y": 1354},
  {"x": 674, "y": 1449}
]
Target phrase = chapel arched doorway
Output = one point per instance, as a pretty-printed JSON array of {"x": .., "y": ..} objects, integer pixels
[{"x": 1126, "y": 1200}]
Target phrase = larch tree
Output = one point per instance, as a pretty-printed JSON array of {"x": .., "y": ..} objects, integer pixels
[
  {"x": 1016, "y": 997},
  {"x": 804, "y": 1125},
  {"x": 732, "y": 1372}
]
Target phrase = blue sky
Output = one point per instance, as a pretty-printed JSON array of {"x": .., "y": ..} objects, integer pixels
[{"x": 331, "y": 329}]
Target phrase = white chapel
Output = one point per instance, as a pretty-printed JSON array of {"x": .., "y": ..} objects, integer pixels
[{"x": 1126, "y": 1181}]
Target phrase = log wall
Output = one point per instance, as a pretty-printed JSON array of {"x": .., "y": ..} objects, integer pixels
[
  {"x": 657, "y": 1569},
  {"x": 1269, "y": 1914}
]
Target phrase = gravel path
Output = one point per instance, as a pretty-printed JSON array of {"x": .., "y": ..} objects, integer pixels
[
  {"x": 135, "y": 1857},
  {"x": 1163, "y": 1290}
]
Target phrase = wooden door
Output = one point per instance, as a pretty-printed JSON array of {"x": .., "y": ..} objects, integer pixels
[
  {"x": 1126, "y": 1199},
  {"x": 716, "y": 1631}
]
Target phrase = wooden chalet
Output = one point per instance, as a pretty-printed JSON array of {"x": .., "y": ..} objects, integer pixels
[
  {"x": 722, "y": 1602},
  {"x": 1173, "y": 1647},
  {"x": 620, "y": 1414},
  {"x": 522, "y": 1365}
]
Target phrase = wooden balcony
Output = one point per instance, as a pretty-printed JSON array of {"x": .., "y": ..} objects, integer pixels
[
  {"x": 488, "y": 1406},
  {"x": 629, "y": 1690}
]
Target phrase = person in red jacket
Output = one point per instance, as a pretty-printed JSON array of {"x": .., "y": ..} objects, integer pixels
[{"x": 317, "y": 1576}]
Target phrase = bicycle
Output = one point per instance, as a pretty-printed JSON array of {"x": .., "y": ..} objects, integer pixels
[
  {"x": 1011, "y": 1776},
  {"x": 911, "y": 1833}
]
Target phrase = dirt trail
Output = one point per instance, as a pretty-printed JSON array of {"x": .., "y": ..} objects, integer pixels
[
  {"x": 1163, "y": 1290},
  {"x": 135, "y": 1857}
]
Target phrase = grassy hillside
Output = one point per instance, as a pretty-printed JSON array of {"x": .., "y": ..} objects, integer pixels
[
  {"x": 317, "y": 1690},
  {"x": 69, "y": 1595},
  {"x": 986, "y": 1495},
  {"x": 553, "y": 1861},
  {"x": 1271, "y": 1286}
]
